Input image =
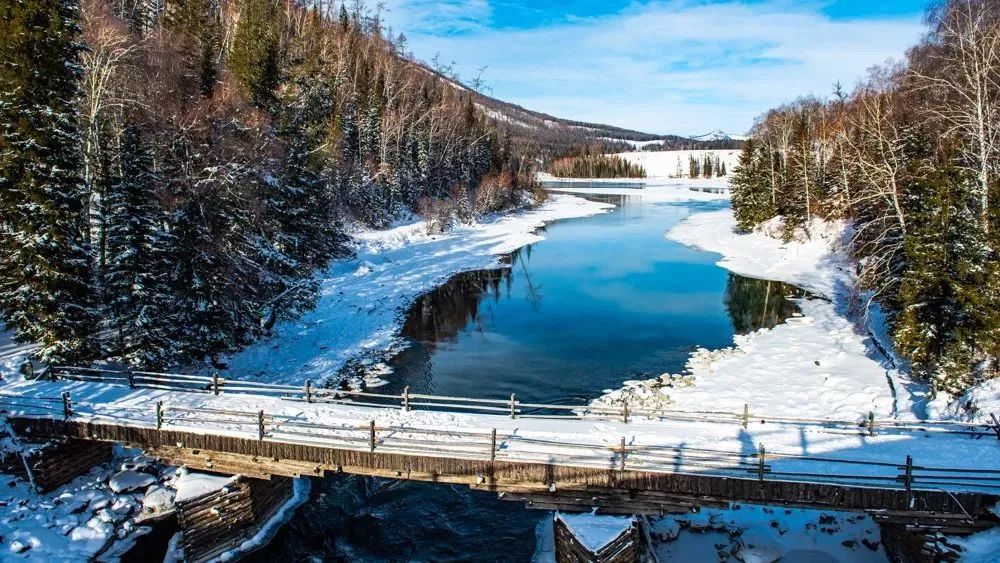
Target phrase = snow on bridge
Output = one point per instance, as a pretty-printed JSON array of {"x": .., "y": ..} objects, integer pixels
[{"x": 279, "y": 422}]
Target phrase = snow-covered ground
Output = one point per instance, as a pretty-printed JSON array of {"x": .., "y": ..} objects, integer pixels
[
  {"x": 363, "y": 299},
  {"x": 663, "y": 164}
]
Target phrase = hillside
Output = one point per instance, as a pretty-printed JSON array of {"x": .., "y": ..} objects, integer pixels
[{"x": 551, "y": 136}]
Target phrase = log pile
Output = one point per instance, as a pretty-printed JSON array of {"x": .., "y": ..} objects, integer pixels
[
  {"x": 57, "y": 462},
  {"x": 625, "y": 548},
  {"x": 220, "y": 521}
]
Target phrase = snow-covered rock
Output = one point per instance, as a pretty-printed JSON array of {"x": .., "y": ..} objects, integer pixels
[{"x": 128, "y": 480}]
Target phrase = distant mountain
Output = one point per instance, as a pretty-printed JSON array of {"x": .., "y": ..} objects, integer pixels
[
  {"x": 553, "y": 136},
  {"x": 718, "y": 135}
]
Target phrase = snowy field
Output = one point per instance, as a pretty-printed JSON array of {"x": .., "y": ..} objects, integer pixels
[{"x": 663, "y": 164}]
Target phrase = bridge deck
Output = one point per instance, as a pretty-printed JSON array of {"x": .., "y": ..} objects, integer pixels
[{"x": 792, "y": 452}]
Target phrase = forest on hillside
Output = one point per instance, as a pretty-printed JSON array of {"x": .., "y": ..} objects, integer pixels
[
  {"x": 173, "y": 172},
  {"x": 910, "y": 157}
]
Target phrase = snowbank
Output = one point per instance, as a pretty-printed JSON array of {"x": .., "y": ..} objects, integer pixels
[
  {"x": 191, "y": 484},
  {"x": 818, "y": 365},
  {"x": 810, "y": 262},
  {"x": 362, "y": 300},
  {"x": 548, "y": 179},
  {"x": 764, "y": 534}
]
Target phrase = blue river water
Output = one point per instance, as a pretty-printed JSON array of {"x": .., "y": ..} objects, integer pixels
[{"x": 601, "y": 300}]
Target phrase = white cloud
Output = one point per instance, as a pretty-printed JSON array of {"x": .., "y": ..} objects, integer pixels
[
  {"x": 679, "y": 66},
  {"x": 430, "y": 17}
]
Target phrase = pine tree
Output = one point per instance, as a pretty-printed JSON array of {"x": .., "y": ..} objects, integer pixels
[
  {"x": 694, "y": 168},
  {"x": 751, "y": 193},
  {"x": 254, "y": 57},
  {"x": 799, "y": 181},
  {"x": 929, "y": 327},
  {"x": 136, "y": 278},
  {"x": 45, "y": 267},
  {"x": 196, "y": 23}
]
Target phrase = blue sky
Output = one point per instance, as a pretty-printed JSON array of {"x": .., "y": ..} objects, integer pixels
[{"x": 665, "y": 66}]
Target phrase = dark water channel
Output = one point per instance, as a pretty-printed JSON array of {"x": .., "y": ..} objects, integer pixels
[{"x": 602, "y": 300}]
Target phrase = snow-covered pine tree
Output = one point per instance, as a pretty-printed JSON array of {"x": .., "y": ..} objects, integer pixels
[
  {"x": 932, "y": 328},
  {"x": 370, "y": 134},
  {"x": 136, "y": 283},
  {"x": 45, "y": 264},
  {"x": 751, "y": 198}
]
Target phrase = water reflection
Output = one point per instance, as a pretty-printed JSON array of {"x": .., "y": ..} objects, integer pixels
[
  {"x": 466, "y": 302},
  {"x": 754, "y": 304}
]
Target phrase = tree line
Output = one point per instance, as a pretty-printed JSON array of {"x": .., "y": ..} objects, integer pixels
[
  {"x": 595, "y": 166},
  {"x": 708, "y": 166},
  {"x": 911, "y": 158},
  {"x": 173, "y": 172}
]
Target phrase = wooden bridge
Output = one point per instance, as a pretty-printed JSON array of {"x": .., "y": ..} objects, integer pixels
[{"x": 571, "y": 457}]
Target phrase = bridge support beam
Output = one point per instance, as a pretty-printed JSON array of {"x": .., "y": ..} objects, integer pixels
[{"x": 221, "y": 520}]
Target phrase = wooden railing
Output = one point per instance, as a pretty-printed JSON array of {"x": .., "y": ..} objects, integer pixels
[
  {"x": 489, "y": 444},
  {"x": 865, "y": 424}
]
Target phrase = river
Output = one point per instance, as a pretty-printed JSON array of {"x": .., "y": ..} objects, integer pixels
[{"x": 601, "y": 300}]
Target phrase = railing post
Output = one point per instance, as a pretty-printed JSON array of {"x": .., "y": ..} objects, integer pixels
[
  {"x": 371, "y": 435},
  {"x": 260, "y": 425},
  {"x": 493, "y": 446},
  {"x": 760, "y": 463},
  {"x": 625, "y": 412},
  {"x": 513, "y": 405},
  {"x": 871, "y": 423},
  {"x": 309, "y": 391},
  {"x": 621, "y": 460},
  {"x": 131, "y": 378},
  {"x": 67, "y": 405},
  {"x": 406, "y": 398},
  {"x": 215, "y": 383},
  {"x": 908, "y": 481},
  {"x": 159, "y": 415},
  {"x": 996, "y": 424},
  {"x": 746, "y": 414},
  {"x": 52, "y": 373}
]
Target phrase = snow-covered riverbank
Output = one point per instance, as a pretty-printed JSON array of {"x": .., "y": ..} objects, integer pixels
[
  {"x": 823, "y": 364},
  {"x": 362, "y": 300}
]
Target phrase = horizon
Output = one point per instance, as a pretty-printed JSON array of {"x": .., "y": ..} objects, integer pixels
[{"x": 652, "y": 66}]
